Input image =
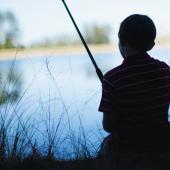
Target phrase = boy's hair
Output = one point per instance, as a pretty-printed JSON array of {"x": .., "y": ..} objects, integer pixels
[{"x": 138, "y": 31}]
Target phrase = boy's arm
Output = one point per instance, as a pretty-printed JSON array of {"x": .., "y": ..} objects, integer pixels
[
  {"x": 108, "y": 106},
  {"x": 109, "y": 122}
]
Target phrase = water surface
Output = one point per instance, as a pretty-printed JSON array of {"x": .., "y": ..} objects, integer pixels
[{"x": 49, "y": 89}]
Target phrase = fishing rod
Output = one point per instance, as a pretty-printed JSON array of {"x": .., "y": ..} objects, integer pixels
[{"x": 98, "y": 71}]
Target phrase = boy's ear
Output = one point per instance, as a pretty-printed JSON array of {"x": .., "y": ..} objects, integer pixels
[{"x": 151, "y": 45}]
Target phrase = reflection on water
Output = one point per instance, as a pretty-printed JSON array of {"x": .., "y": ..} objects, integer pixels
[
  {"x": 10, "y": 83},
  {"x": 51, "y": 89}
]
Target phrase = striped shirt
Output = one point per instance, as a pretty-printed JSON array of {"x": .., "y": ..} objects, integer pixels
[{"x": 137, "y": 94}]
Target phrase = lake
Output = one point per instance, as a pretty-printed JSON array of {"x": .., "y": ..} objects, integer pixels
[{"x": 58, "y": 95}]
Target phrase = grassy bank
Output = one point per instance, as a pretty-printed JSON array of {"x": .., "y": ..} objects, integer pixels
[
  {"x": 46, "y": 164},
  {"x": 21, "y": 148}
]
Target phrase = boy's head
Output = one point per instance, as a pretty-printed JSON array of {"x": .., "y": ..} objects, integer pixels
[{"x": 137, "y": 31}]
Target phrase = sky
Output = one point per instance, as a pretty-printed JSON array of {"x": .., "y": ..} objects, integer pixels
[{"x": 40, "y": 19}]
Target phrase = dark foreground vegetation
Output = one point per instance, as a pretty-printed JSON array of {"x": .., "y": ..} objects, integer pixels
[
  {"x": 49, "y": 164},
  {"x": 86, "y": 164}
]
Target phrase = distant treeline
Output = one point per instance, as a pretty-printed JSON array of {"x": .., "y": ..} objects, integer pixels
[
  {"x": 10, "y": 33},
  {"x": 92, "y": 33}
]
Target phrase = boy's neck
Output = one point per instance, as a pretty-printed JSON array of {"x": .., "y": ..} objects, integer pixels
[{"x": 131, "y": 51}]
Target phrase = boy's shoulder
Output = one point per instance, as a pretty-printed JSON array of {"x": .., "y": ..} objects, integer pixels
[
  {"x": 160, "y": 62},
  {"x": 111, "y": 73},
  {"x": 120, "y": 70}
]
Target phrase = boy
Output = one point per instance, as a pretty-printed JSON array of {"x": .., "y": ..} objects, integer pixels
[{"x": 135, "y": 98}]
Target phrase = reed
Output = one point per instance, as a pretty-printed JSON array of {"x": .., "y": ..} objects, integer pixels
[{"x": 27, "y": 142}]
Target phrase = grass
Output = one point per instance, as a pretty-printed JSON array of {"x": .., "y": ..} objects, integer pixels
[{"x": 24, "y": 144}]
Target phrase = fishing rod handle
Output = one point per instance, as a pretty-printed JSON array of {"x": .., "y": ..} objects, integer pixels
[{"x": 100, "y": 74}]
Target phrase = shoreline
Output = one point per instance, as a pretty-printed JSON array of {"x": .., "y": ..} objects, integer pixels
[{"x": 7, "y": 54}]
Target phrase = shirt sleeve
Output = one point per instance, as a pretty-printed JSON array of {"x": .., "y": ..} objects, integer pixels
[{"x": 107, "y": 103}]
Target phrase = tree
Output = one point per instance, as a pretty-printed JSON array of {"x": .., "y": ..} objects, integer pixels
[
  {"x": 97, "y": 34},
  {"x": 8, "y": 30}
]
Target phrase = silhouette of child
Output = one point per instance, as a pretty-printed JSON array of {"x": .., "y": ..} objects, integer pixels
[{"x": 135, "y": 100}]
